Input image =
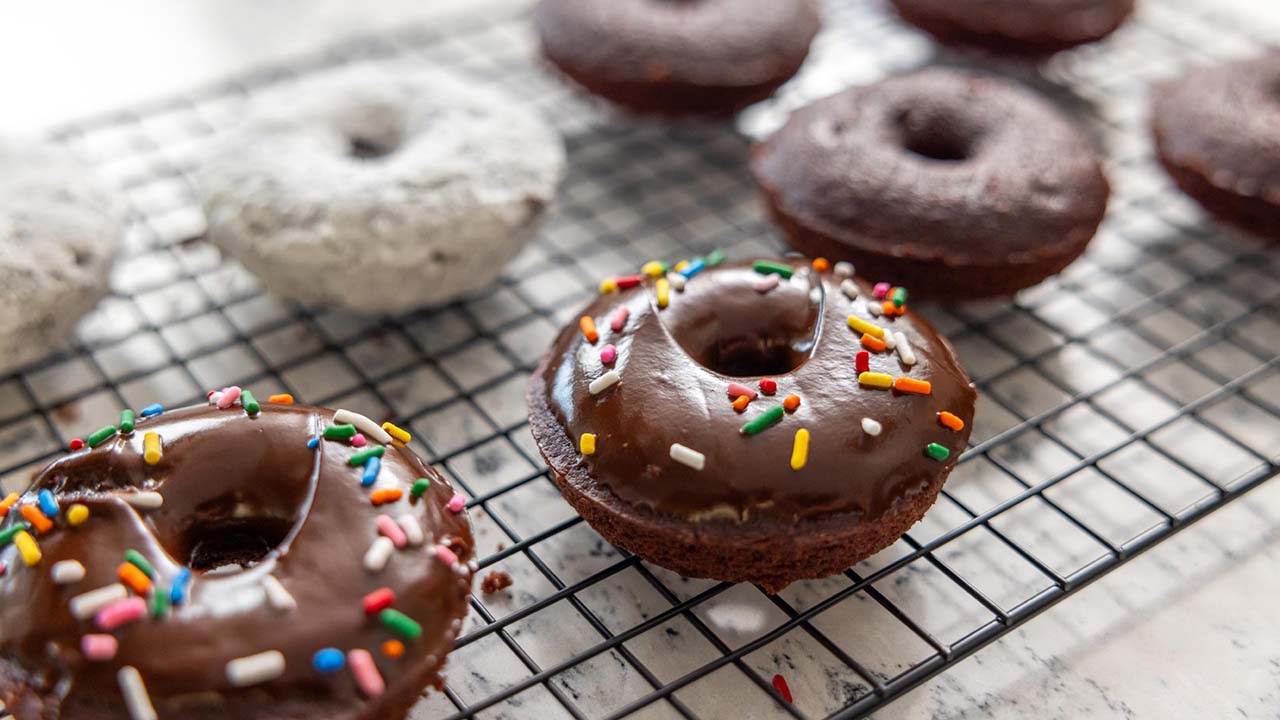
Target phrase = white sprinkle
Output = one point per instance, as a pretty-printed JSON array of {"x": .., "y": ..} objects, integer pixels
[
  {"x": 412, "y": 529},
  {"x": 66, "y": 572},
  {"x": 146, "y": 500},
  {"x": 871, "y": 427},
  {"x": 844, "y": 270},
  {"x": 86, "y": 605},
  {"x": 677, "y": 281},
  {"x": 874, "y": 308},
  {"x": 849, "y": 288},
  {"x": 766, "y": 283},
  {"x": 277, "y": 597},
  {"x": 371, "y": 429},
  {"x": 688, "y": 456},
  {"x": 135, "y": 694},
  {"x": 255, "y": 669},
  {"x": 604, "y": 382},
  {"x": 214, "y": 398},
  {"x": 379, "y": 554},
  {"x": 890, "y": 341},
  {"x": 904, "y": 349}
]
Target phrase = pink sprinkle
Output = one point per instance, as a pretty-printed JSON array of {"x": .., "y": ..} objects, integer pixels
[
  {"x": 457, "y": 502},
  {"x": 737, "y": 390},
  {"x": 3, "y": 569},
  {"x": 447, "y": 556},
  {"x": 619, "y": 320},
  {"x": 881, "y": 290},
  {"x": 608, "y": 354},
  {"x": 389, "y": 528},
  {"x": 120, "y": 613},
  {"x": 98, "y": 648},
  {"x": 228, "y": 397},
  {"x": 766, "y": 283},
  {"x": 368, "y": 679},
  {"x": 358, "y": 440}
]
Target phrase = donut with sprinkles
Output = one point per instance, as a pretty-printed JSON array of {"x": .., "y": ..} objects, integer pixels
[{"x": 748, "y": 431}]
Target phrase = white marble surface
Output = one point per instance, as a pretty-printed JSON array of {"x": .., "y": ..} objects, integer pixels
[{"x": 1189, "y": 630}]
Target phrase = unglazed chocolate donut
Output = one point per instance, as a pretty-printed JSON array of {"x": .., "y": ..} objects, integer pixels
[
  {"x": 951, "y": 183},
  {"x": 1217, "y": 133},
  {"x": 678, "y": 57},
  {"x": 1016, "y": 27},
  {"x": 765, "y": 424},
  {"x": 258, "y": 560}
]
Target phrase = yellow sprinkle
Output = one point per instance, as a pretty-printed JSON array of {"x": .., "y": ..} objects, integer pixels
[
  {"x": 875, "y": 379},
  {"x": 608, "y": 286},
  {"x": 587, "y": 444},
  {"x": 863, "y": 326},
  {"x": 681, "y": 265},
  {"x": 77, "y": 514},
  {"x": 800, "y": 449},
  {"x": 653, "y": 268},
  {"x": 397, "y": 433},
  {"x": 27, "y": 546},
  {"x": 664, "y": 292},
  {"x": 151, "y": 452}
]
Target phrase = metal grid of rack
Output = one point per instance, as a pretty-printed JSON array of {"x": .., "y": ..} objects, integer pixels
[{"x": 1120, "y": 402}]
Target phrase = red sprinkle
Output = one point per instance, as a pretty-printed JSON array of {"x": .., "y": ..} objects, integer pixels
[
  {"x": 737, "y": 390},
  {"x": 378, "y": 600},
  {"x": 76, "y": 444},
  {"x": 862, "y": 361},
  {"x": 768, "y": 386},
  {"x": 608, "y": 354},
  {"x": 619, "y": 319},
  {"x": 629, "y": 281},
  {"x": 780, "y": 684}
]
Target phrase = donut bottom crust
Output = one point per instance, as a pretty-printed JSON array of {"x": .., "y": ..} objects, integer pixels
[
  {"x": 770, "y": 553},
  {"x": 1032, "y": 45},
  {"x": 1251, "y": 214}
]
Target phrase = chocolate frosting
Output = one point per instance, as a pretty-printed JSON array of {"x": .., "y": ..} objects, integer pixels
[
  {"x": 675, "y": 364},
  {"x": 225, "y": 477}
]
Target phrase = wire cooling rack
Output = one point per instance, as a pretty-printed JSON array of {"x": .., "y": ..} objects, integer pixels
[{"x": 1120, "y": 402}]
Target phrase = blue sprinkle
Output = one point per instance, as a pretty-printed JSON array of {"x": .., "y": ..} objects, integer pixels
[
  {"x": 313, "y": 443},
  {"x": 328, "y": 660},
  {"x": 179, "y": 592},
  {"x": 371, "y": 468},
  {"x": 151, "y": 410},
  {"x": 694, "y": 267},
  {"x": 48, "y": 503}
]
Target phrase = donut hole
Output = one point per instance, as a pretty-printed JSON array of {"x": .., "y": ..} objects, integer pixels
[
  {"x": 233, "y": 543},
  {"x": 750, "y": 356},
  {"x": 368, "y": 148},
  {"x": 934, "y": 135}
]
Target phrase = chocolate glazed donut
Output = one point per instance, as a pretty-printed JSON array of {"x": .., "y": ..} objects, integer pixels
[
  {"x": 1016, "y": 27},
  {"x": 954, "y": 184},
  {"x": 135, "y": 607},
  {"x": 761, "y": 426}
]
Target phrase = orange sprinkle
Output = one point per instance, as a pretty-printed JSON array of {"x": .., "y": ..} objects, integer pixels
[
  {"x": 7, "y": 503},
  {"x": 873, "y": 344},
  {"x": 588, "y": 325},
  {"x": 911, "y": 385},
  {"x": 889, "y": 308},
  {"x": 821, "y": 264},
  {"x": 32, "y": 514},
  {"x": 791, "y": 403},
  {"x": 951, "y": 421},
  {"x": 393, "y": 648},
  {"x": 282, "y": 399},
  {"x": 137, "y": 580},
  {"x": 385, "y": 495},
  {"x": 740, "y": 404}
]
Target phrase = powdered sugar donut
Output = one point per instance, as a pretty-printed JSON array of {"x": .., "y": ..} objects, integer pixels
[
  {"x": 59, "y": 230},
  {"x": 381, "y": 193}
]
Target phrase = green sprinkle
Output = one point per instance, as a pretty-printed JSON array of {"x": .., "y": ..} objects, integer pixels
[
  {"x": 400, "y": 624},
  {"x": 765, "y": 267},
  {"x": 249, "y": 403},
  {"x": 763, "y": 420},
  {"x": 7, "y": 535},
  {"x": 899, "y": 297},
  {"x": 420, "y": 487},
  {"x": 339, "y": 432},
  {"x": 936, "y": 451},
  {"x": 159, "y": 601},
  {"x": 714, "y": 258},
  {"x": 126, "y": 421},
  {"x": 138, "y": 560},
  {"x": 363, "y": 456},
  {"x": 101, "y": 436}
]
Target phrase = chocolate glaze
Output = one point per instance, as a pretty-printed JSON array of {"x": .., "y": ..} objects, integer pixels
[
  {"x": 1016, "y": 27},
  {"x": 673, "y": 390},
  {"x": 223, "y": 472}
]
